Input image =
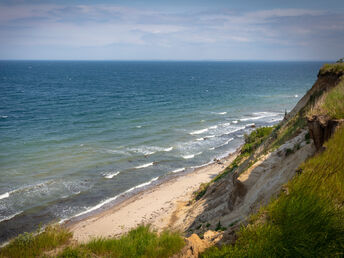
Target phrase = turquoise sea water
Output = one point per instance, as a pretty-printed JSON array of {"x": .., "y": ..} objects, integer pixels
[{"x": 76, "y": 136}]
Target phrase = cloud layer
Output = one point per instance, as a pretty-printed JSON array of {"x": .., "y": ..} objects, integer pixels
[{"x": 109, "y": 31}]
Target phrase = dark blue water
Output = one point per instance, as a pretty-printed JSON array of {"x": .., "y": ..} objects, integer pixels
[{"x": 75, "y": 135}]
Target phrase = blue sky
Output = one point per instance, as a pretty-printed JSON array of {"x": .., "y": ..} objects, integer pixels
[{"x": 172, "y": 30}]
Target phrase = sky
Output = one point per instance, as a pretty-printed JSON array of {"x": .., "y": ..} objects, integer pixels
[{"x": 172, "y": 30}]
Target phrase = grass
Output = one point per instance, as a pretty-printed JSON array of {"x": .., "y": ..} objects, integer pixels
[
  {"x": 35, "y": 244},
  {"x": 305, "y": 221},
  {"x": 252, "y": 141},
  {"x": 330, "y": 104},
  {"x": 337, "y": 68},
  {"x": 139, "y": 242}
]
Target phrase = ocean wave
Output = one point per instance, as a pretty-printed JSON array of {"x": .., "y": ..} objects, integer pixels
[
  {"x": 203, "y": 165},
  {"x": 11, "y": 216},
  {"x": 259, "y": 115},
  {"x": 234, "y": 130},
  {"x": 200, "y": 139},
  {"x": 190, "y": 156},
  {"x": 178, "y": 170},
  {"x": 235, "y": 121},
  {"x": 296, "y": 96},
  {"x": 101, "y": 204},
  {"x": 138, "y": 126},
  {"x": 213, "y": 127},
  {"x": 250, "y": 125},
  {"x": 199, "y": 131},
  {"x": 5, "y": 195},
  {"x": 111, "y": 175},
  {"x": 228, "y": 141},
  {"x": 212, "y": 148},
  {"x": 145, "y": 165},
  {"x": 221, "y": 113},
  {"x": 149, "y": 150},
  {"x": 3, "y": 116}
]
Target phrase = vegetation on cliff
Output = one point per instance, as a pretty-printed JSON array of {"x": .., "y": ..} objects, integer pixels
[
  {"x": 56, "y": 242},
  {"x": 306, "y": 219},
  {"x": 330, "y": 104}
]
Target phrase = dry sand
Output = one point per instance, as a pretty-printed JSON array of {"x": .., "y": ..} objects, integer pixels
[{"x": 153, "y": 206}]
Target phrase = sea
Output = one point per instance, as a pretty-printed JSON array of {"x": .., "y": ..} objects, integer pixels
[{"x": 77, "y": 137}]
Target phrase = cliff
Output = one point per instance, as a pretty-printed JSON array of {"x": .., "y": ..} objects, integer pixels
[{"x": 228, "y": 204}]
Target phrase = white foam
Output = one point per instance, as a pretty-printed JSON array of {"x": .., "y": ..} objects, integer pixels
[
  {"x": 199, "y": 131},
  {"x": 259, "y": 115},
  {"x": 249, "y": 125},
  {"x": 5, "y": 195},
  {"x": 229, "y": 140},
  {"x": 190, "y": 156},
  {"x": 4, "y": 116},
  {"x": 235, "y": 122},
  {"x": 213, "y": 127},
  {"x": 145, "y": 165},
  {"x": 11, "y": 216},
  {"x": 142, "y": 185},
  {"x": 200, "y": 139},
  {"x": 221, "y": 113},
  {"x": 212, "y": 148},
  {"x": 178, "y": 170},
  {"x": 203, "y": 165},
  {"x": 168, "y": 149},
  {"x": 209, "y": 136},
  {"x": 111, "y": 175},
  {"x": 101, "y": 204},
  {"x": 138, "y": 126},
  {"x": 296, "y": 96}
]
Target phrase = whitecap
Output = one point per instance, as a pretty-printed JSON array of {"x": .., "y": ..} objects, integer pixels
[
  {"x": 5, "y": 195},
  {"x": 229, "y": 140},
  {"x": 296, "y": 96},
  {"x": 190, "y": 156},
  {"x": 221, "y": 113},
  {"x": 259, "y": 115},
  {"x": 4, "y": 116},
  {"x": 111, "y": 175},
  {"x": 250, "y": 125},
  {"x": 145, "y": 165},
  {"x": 199, "y": 131},
  {"x": 200, "y": 139},
  {"x": 212, "y": 148},
  {"x": 138, "y": 126},
  {"x": 209, "y": 136},
  {"x": 101, "y": 204},
  {"x": 168, "y": 149},
  {"x": 11, "y": 216},
  {"x": 142, "y": 185},
  {"x": 178, "y": 170},
  {"x": 235, "y": 122},
  {"x": 213, "y": 127}
]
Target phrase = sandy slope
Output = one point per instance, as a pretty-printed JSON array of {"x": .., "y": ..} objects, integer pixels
[{"x": 154, "y": 206}]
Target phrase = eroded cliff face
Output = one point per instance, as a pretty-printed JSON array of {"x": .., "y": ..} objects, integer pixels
[
  {"x": 229, "y": 202},
  {"x": 321, "y": 129}
]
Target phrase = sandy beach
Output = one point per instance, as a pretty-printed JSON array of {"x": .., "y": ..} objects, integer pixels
[{"x": 154, "y": 206}]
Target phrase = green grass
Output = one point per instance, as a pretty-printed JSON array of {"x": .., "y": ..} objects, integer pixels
[
  {"x": 252, "y": 141},
  {"x": 305, "y": 221},
  {"x": 140, "y": 242},
  {"x": 330, "y": 104},
  {"x": 34, "y": 245},
  {"x": 337, "y": 68}
]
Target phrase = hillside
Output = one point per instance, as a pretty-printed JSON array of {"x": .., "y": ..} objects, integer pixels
[{"x": 283, "y": 195}]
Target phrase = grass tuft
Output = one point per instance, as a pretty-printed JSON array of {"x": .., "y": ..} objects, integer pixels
[
  {"x": 139, "y": 242},
  {"x": 330, "y": 104},
  {"x": 34, "y": 245}
]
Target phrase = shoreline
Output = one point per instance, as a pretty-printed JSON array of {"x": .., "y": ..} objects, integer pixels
[{"x": 154, "y": 205}]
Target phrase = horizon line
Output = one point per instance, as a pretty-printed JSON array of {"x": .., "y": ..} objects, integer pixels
[{"x": 178, "y": 60}]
